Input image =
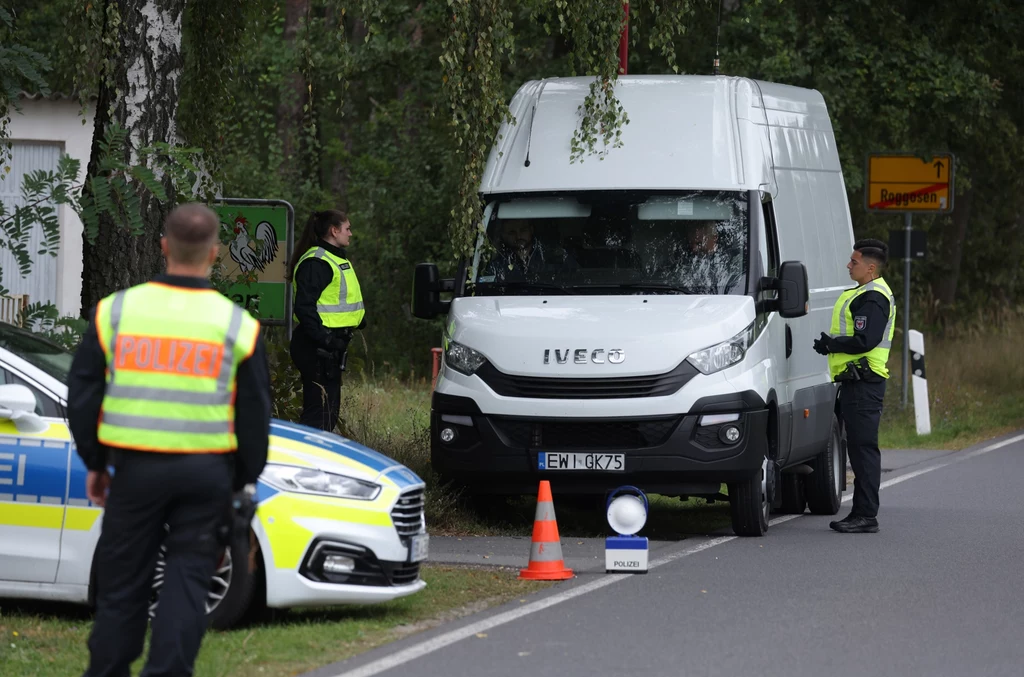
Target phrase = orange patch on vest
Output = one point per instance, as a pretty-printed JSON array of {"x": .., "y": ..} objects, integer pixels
[{"x": 163, "y": 355}]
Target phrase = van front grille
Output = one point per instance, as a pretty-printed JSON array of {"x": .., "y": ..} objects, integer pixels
[{"x": 602, "y": 388}]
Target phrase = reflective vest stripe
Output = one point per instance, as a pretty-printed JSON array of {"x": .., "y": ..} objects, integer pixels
[
  {"x": 115, "y": 319},
  {"x": 219, "y": 398},
  {"x": 172, "y": 425},
  {"x": 341, "y": 306}
]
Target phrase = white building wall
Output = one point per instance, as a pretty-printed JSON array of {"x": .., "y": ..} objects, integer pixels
[{"x": 56, "y": 122}]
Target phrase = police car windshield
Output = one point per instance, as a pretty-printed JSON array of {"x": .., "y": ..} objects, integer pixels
[
  {"x": 693, "y": 242},
  {"x": 37, "y": 351}
]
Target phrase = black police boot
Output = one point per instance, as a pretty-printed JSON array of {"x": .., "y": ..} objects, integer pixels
[
  {"x": 857, "y": 525},
  {"x": 851, "y": 516}
]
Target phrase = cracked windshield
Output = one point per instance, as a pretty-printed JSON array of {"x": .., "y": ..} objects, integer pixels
[{"x": 685, "y": 243}]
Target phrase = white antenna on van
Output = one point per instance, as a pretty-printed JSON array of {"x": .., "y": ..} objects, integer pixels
[{"x": 718, "y": 32}]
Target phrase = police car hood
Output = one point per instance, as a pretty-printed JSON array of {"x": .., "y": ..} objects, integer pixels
[
  {"x": 565, "y": 336},
  {"x": 295, "y": 444}
]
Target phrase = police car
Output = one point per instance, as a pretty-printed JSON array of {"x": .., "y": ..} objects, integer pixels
[{"x": 336, "y": 522}]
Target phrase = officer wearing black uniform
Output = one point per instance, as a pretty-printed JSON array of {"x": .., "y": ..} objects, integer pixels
[
  {"x": 328, "y": 308},
  {"x": 170, "y": 387},
  {"x": 863, "y": 322}
]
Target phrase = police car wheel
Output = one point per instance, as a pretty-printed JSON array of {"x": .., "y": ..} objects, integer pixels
[
  {"x": 231, "y": 587},
  {"x": 749, "y": 503},
  {"x": 824, "y": 486}
]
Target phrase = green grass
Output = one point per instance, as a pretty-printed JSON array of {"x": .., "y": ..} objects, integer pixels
[
  {"x": 975, "y": 390},
  {"x": 49, "y": 640}
]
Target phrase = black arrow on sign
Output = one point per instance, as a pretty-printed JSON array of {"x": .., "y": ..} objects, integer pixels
[{"x": 938, "y": 169}]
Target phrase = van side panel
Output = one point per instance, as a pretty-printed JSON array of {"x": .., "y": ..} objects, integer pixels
[{"x": 814, "y": 227}]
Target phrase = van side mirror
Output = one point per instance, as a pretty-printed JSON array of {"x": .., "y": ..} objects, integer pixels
[
  {"x": 426, "y": 292},
  {"x": 18, "y": 405},
  {"x": 793, "y": 290}
]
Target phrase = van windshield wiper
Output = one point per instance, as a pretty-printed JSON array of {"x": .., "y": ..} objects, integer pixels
[
  {"x": 650, "y": 286},
  {"x": 528, "y": 286}
]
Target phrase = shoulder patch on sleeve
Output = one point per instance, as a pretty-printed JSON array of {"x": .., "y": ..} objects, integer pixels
[{"x": 860, "y": 322}]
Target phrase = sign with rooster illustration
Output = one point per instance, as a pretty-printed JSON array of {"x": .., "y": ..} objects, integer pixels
[
  {"x": 251, "y": 253},
  {"x": 253, "y": 257}
]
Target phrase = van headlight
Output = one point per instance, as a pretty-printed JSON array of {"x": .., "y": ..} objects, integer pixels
[
  {"x": 314, "y": 481},
  {"x": 462, "y": 359},
  {"x": 725, "y": 354}
]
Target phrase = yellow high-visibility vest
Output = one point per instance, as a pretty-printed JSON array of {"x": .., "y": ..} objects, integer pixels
[
  {"x": 172, "y": 358},
  {"x": 341, "y": 302},
  {"x": 843, "y": 325}
]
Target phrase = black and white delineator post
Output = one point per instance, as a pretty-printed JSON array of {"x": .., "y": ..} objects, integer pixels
[
  {"x": 627, "y": 513},
  {"x": 921, "y": 412}
]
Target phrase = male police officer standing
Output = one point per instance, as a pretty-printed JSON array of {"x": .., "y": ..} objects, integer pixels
[
  {"x": 170, "y": 386},
  {"x": 863, "y": 322}
]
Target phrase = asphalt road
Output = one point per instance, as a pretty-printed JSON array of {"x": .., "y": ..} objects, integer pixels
[{"x": 936, "y": 592}]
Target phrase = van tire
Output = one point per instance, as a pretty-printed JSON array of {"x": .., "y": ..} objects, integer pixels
[
  {"x": 824, "y": 486},
  {"x": 749, "y": 504}
]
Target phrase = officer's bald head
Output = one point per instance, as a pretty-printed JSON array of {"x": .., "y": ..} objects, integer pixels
[{"x": 191, "y": 234}]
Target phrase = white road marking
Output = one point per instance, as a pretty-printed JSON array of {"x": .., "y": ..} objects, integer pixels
[{"x": 431, "y": 645}]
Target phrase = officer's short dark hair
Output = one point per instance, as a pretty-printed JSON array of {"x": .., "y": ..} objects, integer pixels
[
  {"x": 191, "y": 229},
  {"x": 875, "y": 250}
]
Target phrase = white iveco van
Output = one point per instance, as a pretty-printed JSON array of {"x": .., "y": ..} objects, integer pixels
[{"x": 648, "y": 319}]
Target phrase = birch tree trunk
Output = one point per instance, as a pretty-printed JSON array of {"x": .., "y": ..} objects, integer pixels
[{"x": 140, "y": 93}]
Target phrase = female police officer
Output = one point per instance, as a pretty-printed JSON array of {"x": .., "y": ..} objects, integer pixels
[{"x": 328, "y": 307}]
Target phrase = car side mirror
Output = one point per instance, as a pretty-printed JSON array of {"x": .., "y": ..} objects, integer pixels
[
  {"x": 793, "y": 289},
  {"x": 426, "y": 292},
  {"x": 18, "y": 405}
]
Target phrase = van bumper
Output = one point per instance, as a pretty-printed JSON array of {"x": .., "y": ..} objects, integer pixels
[{"x": 670, "y": 455}]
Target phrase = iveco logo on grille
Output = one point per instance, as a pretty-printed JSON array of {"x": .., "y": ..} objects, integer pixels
[{"x": 584, "y": 355}]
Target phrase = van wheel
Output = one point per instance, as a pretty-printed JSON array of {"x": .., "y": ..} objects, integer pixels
[
  {"x": 794, "y": 499},
  {"x": 231, "y": 588},
  {"x": 749, "y": 505},
  {"x": 824, "y": 486}
]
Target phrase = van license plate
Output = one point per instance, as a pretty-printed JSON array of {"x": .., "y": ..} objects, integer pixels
[
  {"x": 553, "y": 460},
  {"x": 418, "y": 547}
]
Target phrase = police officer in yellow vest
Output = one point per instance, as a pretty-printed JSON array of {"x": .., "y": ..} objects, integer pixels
[
  {"x": 863, "y": 322},
  {"x": 170, "y": 387},
  {"x": 328, "y": 307}
]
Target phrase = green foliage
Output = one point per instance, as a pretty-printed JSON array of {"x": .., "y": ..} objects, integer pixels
[
  {"x": 388, "y": 109},
  {"x": 42, "y": 193},
  {"x": 21, "y": 68},
  {"x": 44, "y": 319},
  {"x": 479, "y": 39}
]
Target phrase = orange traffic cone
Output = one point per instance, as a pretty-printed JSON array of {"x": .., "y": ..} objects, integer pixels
[{"x": 546, "y": 552}]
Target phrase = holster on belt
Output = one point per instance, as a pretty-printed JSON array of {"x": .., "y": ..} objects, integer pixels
[{"x": 859, "y": 370}]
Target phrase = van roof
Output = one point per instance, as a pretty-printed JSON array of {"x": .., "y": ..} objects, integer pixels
[{"x": 685, "y": 131}]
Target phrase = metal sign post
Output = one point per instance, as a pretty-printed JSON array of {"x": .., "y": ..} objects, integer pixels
[{"x": 906, "y": 183}]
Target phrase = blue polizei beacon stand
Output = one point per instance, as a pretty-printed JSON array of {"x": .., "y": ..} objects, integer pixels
[{"x": 627, "y": 509}]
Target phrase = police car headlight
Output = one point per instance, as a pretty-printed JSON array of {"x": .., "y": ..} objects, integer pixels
[
  {"x": 313, "y": 481},
  {"x": 725, "y": 354},
  {"x": 462, "y": 358}
]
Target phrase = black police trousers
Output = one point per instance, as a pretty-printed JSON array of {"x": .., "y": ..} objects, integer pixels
[
  {"x": 321, "y": 389},
  {"x": 190, "y": 494},
  {"x": 860, "y": 403}
]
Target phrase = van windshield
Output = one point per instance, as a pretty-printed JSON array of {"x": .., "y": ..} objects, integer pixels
[{"x": 615, "y": 243}]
